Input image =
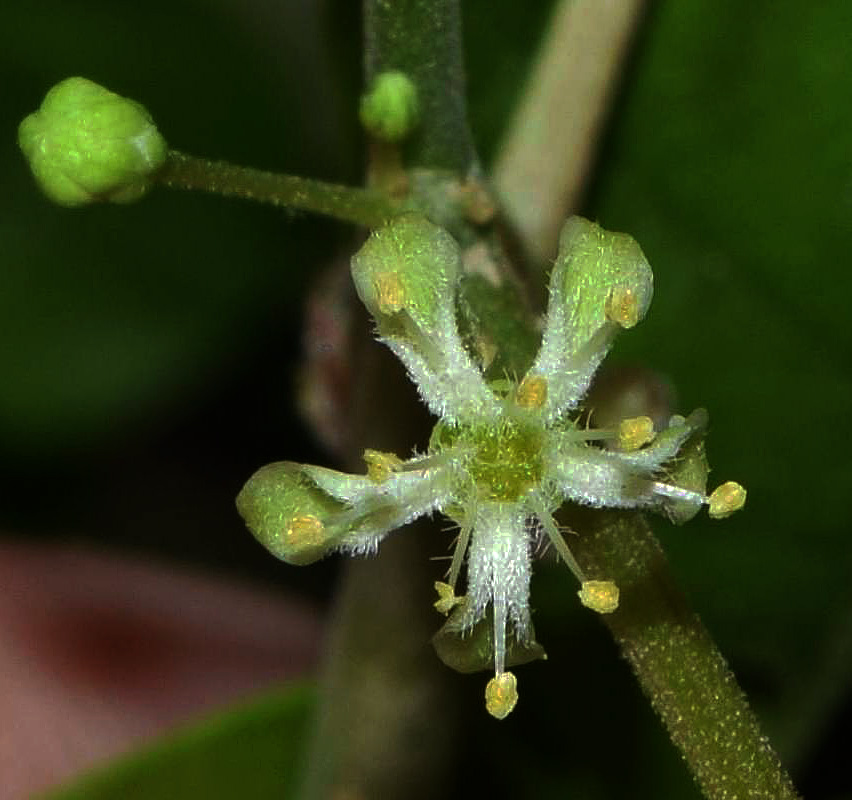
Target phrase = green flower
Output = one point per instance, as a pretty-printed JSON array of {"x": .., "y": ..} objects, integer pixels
[
  {"x": 502, "y": 458},
  {"x": 86, "y": 144}
]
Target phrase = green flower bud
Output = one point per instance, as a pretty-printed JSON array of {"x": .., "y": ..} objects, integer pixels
[
  {"x": 87, "y": 144},
  {"x": 410, "y": 266},
  {"x": 288, "y": 514},
  {"x": 390, "y": 110}
]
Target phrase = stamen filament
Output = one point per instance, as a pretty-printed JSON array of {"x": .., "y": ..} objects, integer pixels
[
  {"x": 677, "y": 493},
  {"x": 555, "y": 537},
  {"x": 499, "y": 609},
  {"x": 459, "y": 553}
]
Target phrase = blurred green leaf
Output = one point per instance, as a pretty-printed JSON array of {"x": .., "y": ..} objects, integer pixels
[{"x": 254, "y": 752}]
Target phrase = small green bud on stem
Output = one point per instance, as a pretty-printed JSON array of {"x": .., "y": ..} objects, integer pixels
[
  {"x": 390, "y": 110},
  {"x": 86, "y": 144}
]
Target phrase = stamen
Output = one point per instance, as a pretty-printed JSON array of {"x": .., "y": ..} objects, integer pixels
[
  {"x": 622, "y": 306},
  {"x": 381, "y": 465},
  {"x": 498, "y": 604},
  {"x": 635, "y": 433},
  {"x": 532, "y": 393},
  {"x": 555, "y": 537},
  {"x": 459, "y": 553},
  {"x": 726, "y": 499},
  {"x": 600, "y": 596},
  {"x": 501, "y": 695},
  {"x": 447, "y": 599},
  {"x": 389, "y": 292},
  {"x": 305, "y": 530}
]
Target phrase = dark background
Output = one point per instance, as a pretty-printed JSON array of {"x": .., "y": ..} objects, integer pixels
[{"x": 149, "y": 355}]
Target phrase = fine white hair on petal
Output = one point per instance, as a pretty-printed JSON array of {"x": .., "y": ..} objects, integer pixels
[
  {"x": 401, "y": 499},
  {"x": 340, "y": 485},
  {"x": 569, "y": 375},
  {"x": 454, "y": 388},
  {"x": 592, "y": 268},
  {"x": 597, "y": 478},
  {"x": 499, "y": 571}
]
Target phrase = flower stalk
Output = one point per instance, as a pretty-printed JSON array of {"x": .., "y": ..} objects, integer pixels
[{"x": 366, "y": 207}]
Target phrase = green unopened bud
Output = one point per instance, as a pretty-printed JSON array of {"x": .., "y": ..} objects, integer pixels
[
  {"x": 288, "y": 514},
  {"x": 390, "y": 110},
  {"x": 410, "y": 266},
  {"x": 86, "y": 144},
  {"x": 603, "y": 276}
]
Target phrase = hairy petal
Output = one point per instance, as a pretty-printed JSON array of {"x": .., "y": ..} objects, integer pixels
[
  {"x": 599, "y": 478},
  {"x": 301, "y": 513},
  {"x": 499, "y": 572},
  {"x": 407, "y": 274},
  {"x": 601, "y": 282},
  {"x": 448, "y": 381},
  {"x": 402, "y": 498}
]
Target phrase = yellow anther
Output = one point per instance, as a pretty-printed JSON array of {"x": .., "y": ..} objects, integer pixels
[
  {"x": 380, "y": 465},
  {"x": 389, "y": 292},
  {"x": 635, "y": 432},
  {"x": 305, "y": 530},
  {"x": 600, "y": 596},
  {"x": 501, "y": 695},
  {"x": 622, "y": 307},
  {"x": 726, "y": 499},
  {"x": 447, "y": 599},
  {"x": 532, "y": 393}
]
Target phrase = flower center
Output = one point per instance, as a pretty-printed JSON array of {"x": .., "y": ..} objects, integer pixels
[{"x": 506, "y": 458}]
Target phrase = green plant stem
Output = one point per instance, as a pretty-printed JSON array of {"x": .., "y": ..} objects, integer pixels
[
  {"x": 365, "y": 207},
  {"x": 423, "y": 39},
  {"x": 677, "y": 663}
]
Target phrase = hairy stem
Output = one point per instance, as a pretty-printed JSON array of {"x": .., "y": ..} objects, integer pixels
[
  {"x": 365, "y": 207},
  {"x": 677, "y": 663}
]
